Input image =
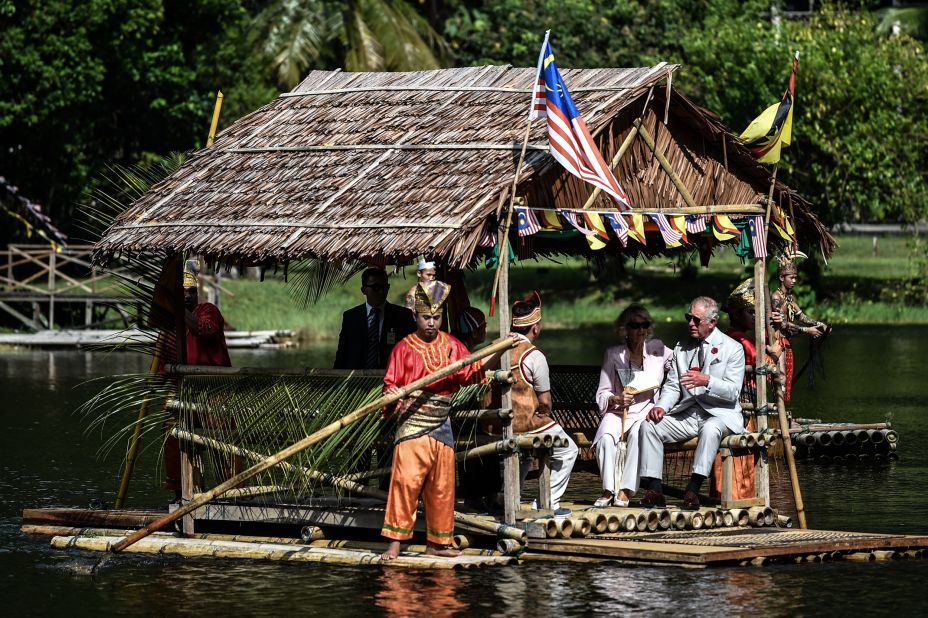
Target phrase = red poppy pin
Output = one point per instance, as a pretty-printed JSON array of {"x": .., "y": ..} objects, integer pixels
[{"x": 714, "y": 350}]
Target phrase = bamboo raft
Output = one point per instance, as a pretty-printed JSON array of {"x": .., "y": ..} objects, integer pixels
[{"x": 873, "y": 443}]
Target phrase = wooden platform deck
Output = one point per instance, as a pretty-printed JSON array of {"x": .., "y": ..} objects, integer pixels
[{"x": 96, "y": 530}]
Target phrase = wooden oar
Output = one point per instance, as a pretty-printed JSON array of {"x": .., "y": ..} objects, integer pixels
[{"x": 308, "y": 441}]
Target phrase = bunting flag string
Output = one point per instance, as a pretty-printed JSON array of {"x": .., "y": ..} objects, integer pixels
[
  {"x": 723, "y": 228},
  {"x": 527, "y": 223},
  {"x": 670, "y": 235},
  {"x": 756, "y": 227},
  {"x": 695, "y": 224},
  {"x": 619, "y": 226}
]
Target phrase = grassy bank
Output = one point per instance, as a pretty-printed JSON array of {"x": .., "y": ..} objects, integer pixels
[{"x": 856, "y": 287}]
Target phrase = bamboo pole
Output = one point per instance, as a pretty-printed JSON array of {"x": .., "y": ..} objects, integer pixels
[
  {"x": 615, "y": 161},
  {"x": 137, "y": 431},
  {"x": 665, "y": 164},
  {"x": 215, "y": 122},
  {"x": 308, "y": 441}
]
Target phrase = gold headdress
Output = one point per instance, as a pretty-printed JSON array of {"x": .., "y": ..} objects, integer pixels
[
  {"x": 527, "y": 311},
  {"x": 190, "y": 274},
  {"x": 742, "y": 297},
  {"x": 786, "y": 265},
  {"x": 431, "y": 296}
]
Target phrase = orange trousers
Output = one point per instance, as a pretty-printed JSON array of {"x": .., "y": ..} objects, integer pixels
[
  {"x": 742, "y": 478},
  {"x": 423, "y": 466}
]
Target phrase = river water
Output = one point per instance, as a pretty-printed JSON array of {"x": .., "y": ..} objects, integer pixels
[{"x": 49, "y": 460}]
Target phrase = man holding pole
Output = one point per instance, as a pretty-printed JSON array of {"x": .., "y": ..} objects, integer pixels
[{"x": 423, "y": 455}]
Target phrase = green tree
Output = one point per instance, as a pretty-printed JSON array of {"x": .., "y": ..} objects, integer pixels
[
  {"x": 359, "y": 35},
  {"x": 86, "y": 83}
]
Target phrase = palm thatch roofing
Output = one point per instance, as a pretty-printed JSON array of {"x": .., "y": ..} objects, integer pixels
[{"x": 387, "y": 166}]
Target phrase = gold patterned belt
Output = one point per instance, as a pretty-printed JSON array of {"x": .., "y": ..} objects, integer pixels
[{"x": 421, "y": 413}]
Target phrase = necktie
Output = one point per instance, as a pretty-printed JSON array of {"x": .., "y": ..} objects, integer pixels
[
  {"x": 373, "y": 339},
  {"x": 702, "y": 355}
]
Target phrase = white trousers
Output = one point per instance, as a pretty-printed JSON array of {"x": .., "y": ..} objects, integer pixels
[
  {"x": 683, "y": 425},
  {"x": 605, "y": 456},
  {"x": 561, "y": 462}
]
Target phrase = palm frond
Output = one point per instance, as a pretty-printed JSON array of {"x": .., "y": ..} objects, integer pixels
[{"x": 310, "y": 280}]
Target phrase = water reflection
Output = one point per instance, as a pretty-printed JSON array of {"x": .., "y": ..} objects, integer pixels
[{"x": 48, "y": 460}]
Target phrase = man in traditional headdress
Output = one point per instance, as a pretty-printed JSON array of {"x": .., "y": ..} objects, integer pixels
[
  {"x": 700, "y": 398},
  {"x": 791, "y": 320},
  {"x": 425, "y": 272},
  {"x": 370, "y": 330},
  {"x": 423, "y": 455},
  {"x": 205, "y": 342},
  {"x": 531, "y": 397},
  {"x": 740, "y": 309}
]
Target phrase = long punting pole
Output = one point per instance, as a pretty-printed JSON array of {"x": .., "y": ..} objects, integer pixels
[
  {"x": 308, "y": 441},
  {"x": 511, "y": 482},
  {"x": 137, "y": 431},
  {"x": 764, "y": 335}
]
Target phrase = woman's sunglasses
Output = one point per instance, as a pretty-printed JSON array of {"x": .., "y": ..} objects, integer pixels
[{"x": 636, "y": 325}]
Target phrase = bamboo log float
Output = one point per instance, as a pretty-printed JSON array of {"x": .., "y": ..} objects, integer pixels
[
  {"x": 565, "y": 527},
  {"x": 308, "y": 441},
  {"x": 757, "y": 516},
  {"x": 311, "y": 533},
  {"x": 663, "y": 519},
  {"x": 823, "y": 438},
  {"x": 837, "y": 437},
  {"x": 258, "y": 490},
  {"x": 615, "y": 522},
  {"x": 551, "y": 528},
  {"x": 682, "y": 520},
  {"x": 581, "y": 527},
  {"x": 381, "y": 546},
  {"x": 891, "y": 436},
  {"x": 784, "y": 521},
  {"x": 862, "y": 436},
  {"x": 770, "y": 516},
  {"x": 860, "y": 556},
  {"x": 187, "y": 370},
  {"x": 501, "y": 530},
  {"x": 750, "y": 441},
  {"x": 461, "y": 541},
  {"x": 628, "y": 522},
  {"x": 98, "y": 532},
  {"x": 509, "y": 547},
  {"x": 719, "y": 517},
  {"x": 819, "y": 426},
  {"x": 850, "y": 438},
  {"x": 259, "y": 551},
  {"x": 696, "y": 521},
  {"x": 708, "y": 517},
  {"x": 738, "y": 440},
  {"x": 741, "y": 516},
  {"x": 892, "y": 456},
  {"x": 760, "y": 561},
  {"x": 599, "y": 522},
  {"x": 728, "y": 520},
  {"x": 875, "y": 436}
]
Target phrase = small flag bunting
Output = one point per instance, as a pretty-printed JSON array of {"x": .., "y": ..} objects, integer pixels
[
  {"x": 756, "y": 226},
  {"x": 619, "y": 226},
  {"x": 527, "y": 222},
  {"x": 550, "y": 221},
  {"x": 670, "y": 235},
  {"x": 695, "y": 224},
  {"x": 723, "y": 228}
]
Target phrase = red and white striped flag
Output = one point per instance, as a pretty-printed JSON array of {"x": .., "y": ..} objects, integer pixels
[
  {"x": 695, "y": 224},
  {"x": 756, "y": 226},
  {"x": 670, "y": 235},
  {"x": 570, "y": 140}
]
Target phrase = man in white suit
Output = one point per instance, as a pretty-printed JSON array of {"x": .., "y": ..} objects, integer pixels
[{"x": 699, "y": 398}]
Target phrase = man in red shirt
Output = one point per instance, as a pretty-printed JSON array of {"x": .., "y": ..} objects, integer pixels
[
  {"x": 206, "y": 345},
  {"x": 423, "y": 456}
]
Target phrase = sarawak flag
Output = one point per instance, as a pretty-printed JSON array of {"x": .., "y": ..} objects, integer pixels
[
  {"x": 723, "y": 228},
  {"x": 570, "y": 141},
  {"x": 550, "y": 221},
  {"x": 773, "y": 129}
]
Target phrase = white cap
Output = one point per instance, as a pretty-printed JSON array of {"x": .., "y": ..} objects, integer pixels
[{"x": 424, "y": 265}]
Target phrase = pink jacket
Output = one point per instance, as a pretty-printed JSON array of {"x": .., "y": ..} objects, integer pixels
[{"x": 657, "y": 358}]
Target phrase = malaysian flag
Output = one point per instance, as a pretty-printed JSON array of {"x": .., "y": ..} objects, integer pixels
[
  {"x": 488, "y": 238},
  {"x": 571, "y": 143},
  {"x": 618, "y": 225},
  {"x": 756, "y": 226},
  {"x": 527, "y": 222},
  {"x": 571, "y": 218},
  {"x": 670, "y": 235},
  {"x": 695, "y": 224}
]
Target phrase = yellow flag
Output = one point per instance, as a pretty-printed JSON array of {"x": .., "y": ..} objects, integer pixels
[
  {"x": 636, "y": 228},
  {"x": 773, "y": 129}
]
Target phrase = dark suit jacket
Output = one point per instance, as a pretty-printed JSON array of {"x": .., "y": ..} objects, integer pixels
[{"x": 352, "y": 341}]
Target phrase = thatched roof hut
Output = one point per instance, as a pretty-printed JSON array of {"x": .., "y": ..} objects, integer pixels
[{"x": 387, "y": 166}]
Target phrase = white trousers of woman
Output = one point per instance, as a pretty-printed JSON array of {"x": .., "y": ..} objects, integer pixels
[{"x": 605, "y": 456}]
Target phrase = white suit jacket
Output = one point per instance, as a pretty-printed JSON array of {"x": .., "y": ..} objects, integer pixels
[{"x": 724, "y": 363}]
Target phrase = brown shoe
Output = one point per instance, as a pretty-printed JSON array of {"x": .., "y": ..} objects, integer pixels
[
  {"x": 690, "y": 500},
  {"x": 653, "y": 499}
]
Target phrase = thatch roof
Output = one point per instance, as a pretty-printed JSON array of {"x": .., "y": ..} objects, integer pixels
[{"x": 387, "y": 166}]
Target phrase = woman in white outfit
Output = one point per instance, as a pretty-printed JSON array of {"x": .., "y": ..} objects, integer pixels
[{"x": 642, "y": 358}]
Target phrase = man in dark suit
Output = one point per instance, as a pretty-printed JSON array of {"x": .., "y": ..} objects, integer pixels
[{"x": 370, "y": 330}]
